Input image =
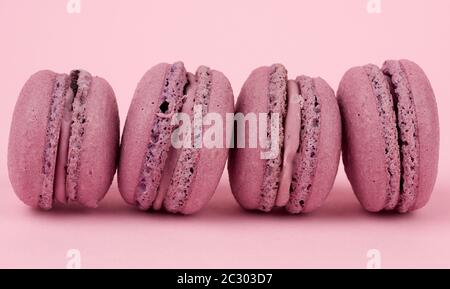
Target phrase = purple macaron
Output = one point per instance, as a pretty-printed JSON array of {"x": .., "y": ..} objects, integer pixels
[
  {"x": 153, "y": 172},
  {"x": 391, "y": 135},
  {"x": 64, "y": 139},
  {"x": 300, "y": 175}
]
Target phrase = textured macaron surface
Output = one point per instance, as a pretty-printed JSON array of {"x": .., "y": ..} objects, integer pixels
[
  {"x": 28, "y": 139},
  {"x": 318, "y": 154},
  {"x": 47, "y": 147},
  {"x": 186, "y": 167},
  {"x": 80, "y": 85},
  {"x": 328, "y": 150},
  {"x": 100, "y": 145},
  {"x": 212, "y": 158},
  {"x": 408, "y": 132},
  {"x": 385, "y": 108},
  {"x": 381, "y": 110},
  {"x": 170, "y": 102}
]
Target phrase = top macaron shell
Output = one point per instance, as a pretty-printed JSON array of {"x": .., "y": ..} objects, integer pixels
[
  {"x": 428, "y": 127},
  {"x": 100, "y": 148},
  {"x": 140, "y": 119},
  {"x": 245, "y": 166},
  {"x": 329, "y": 146},
  {"x": 363, "y": 143},
  {"x": 98, "y": 152}
]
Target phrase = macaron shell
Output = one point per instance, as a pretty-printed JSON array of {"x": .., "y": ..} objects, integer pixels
[
  {"x": 59, "y": 185},
  {"x": 137, "y": 130},
  {"x": 382, "y": 89},
  {"x": 175, "y": 152},
  {"x": 98, "y": 156},
  {"x": 27, "y": 138},
  {"x": 245, "y": 166},
  {"x": 428, "y": 127},
  {"x": 212, "y": 160},
  {"x": 363, "y": 144},
  {"x": 329, "y": 146}
]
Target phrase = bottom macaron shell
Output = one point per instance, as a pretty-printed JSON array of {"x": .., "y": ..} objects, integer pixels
[
  {"x": 99, "y": 153},
  {"x": 428, "y": 130},
  {"x": 382, "y": 93},
  {"x": 329, "y": 147},
  {"x": 27, "y": 138},
  {"x": 212, "y": 161}
]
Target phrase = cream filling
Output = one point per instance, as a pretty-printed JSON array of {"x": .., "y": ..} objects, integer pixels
[
  {"x": 291, "y": 141},
  {"x": 61, "y": 193},
  {"x": 63, "y": 149}
]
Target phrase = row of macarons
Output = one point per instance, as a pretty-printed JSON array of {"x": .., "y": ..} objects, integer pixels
[{"x": 64, "y": 143}]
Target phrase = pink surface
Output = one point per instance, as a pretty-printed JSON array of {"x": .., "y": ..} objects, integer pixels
[{"x": 126, "y": 39}]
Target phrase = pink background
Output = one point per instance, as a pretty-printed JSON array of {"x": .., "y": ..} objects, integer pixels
[{"x": 120, "y": 40}]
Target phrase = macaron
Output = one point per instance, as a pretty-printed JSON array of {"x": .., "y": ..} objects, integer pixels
[
  {"x": 391, "y": 135},
  {"x": 301, "y": 172},
  {"x": 155, "y": 171},
  {"x": 64, "y": 139}
]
